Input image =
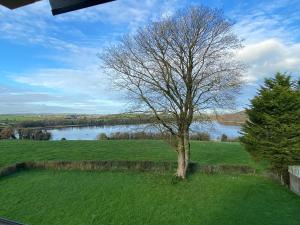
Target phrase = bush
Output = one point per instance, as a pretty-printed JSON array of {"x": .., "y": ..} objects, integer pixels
[
  {"x": 224, "y": 138},
  {"x": 7, "y": 133},
  {"x": 31, "y": 134},
  {"x": 41, "y": 135},
  {"x": 120, "y": 135},
  {"x": 152, "y": 136},
  {"x": 102, "y": 136},
  {"x": 201, "y": 136},
  {"x": 137, "y": 135}
]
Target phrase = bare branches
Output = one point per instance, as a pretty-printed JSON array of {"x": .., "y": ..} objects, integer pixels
[{"x": 180, "y": 65}]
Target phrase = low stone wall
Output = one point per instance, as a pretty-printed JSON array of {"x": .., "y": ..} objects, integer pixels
[
  {"x": 100, "y": 165},
  {"x": 141, "y": 166},
  {"x": 8, "y": 170},
  {"x": 231, "y": 169},
  {"x": 295, "y": 179}
]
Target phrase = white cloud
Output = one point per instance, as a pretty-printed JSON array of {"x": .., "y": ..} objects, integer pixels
[
  {"x": 36, "y": 23},
  {"x": 266, "y": 20},
  {"x": 78, "y": 85},
  {"x": 86, "y": 81},
  {"x": 25, "y": 101},
  {"x": 271, "y": 33},
  {"x": 267, "y": 57},
  {"x": 271, "y": 45}
]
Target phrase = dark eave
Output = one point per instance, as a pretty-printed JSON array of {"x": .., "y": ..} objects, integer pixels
[
  {"x": 58, "y": 6},
  {"x": 13, "y": 4},
  {"x": 63, "y": 6}
]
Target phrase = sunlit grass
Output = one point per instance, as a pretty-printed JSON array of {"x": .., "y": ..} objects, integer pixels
[
  {"x": 114, "y": 198},
  {"x": 123, "y": 198},
  {"x": 202, "y": 152}
]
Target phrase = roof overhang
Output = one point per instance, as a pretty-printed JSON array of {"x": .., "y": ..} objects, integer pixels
[
  {"x": 63, "y": 6},
  {"x": 58, "y": 6},
  {"x": 16, "y": 3}
]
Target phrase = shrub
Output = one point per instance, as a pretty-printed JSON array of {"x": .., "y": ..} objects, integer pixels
[
  {"x": 41, "y": 135},
  {"x": 152, "y": 136},
  {"x": 32, "y": 134},
  {"x": 201, "y": 136},
  {"x": 224, "y": 137},
  {"x": 7, "y": 133},
  {"x": 137, "y": 135},
  {"x": 120, "y": 135},
  {"x": 102, "y": 136}
]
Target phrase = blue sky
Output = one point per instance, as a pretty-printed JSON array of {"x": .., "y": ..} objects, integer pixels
[{"x": 50, "y": 65}]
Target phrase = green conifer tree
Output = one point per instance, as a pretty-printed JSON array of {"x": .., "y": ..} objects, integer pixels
[{"x": 272, "y": 131}]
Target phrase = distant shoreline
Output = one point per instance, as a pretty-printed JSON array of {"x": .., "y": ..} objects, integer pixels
[{"x": 68, "y": 121}]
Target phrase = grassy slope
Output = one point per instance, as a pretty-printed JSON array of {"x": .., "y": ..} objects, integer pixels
[
  {"x": 20, "y": 118},
  {"x": 107, "y": 198},
  {"x": 203, "y": 152},
  {"x": 37, "y": 117},
  {"x": 114, "y": 198}
]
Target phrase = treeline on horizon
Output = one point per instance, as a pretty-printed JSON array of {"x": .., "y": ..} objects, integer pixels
[
  {"x": 83, "y": 121},
  {"x": 110, "y": 120}
]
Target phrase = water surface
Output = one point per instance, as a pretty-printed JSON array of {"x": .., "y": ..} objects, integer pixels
[{"x": 215, "y": 130}]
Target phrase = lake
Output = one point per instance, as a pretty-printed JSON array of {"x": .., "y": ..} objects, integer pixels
[{"x": 215, "y": 130}]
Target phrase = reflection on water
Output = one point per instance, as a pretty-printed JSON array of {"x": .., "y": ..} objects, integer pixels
[{"x": 215, "y": 130}]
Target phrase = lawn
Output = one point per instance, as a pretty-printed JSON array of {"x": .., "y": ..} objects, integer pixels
[
  {"x": 50, "y": 197},
  {"x": 114, "y": 198},
  {"x": 21, "y": 118},
  {"x": 202, "y": 152}
]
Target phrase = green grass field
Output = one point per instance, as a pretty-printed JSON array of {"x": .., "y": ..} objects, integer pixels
[
  {"x": 63, "y": 119},
  {"x": 41, "y": 117},
  {"x": 202, "y": 152},
  {"x": 51, "y": 197},
  {"x": 20, "y": 118},
  {"x": 113, "y": 198}
]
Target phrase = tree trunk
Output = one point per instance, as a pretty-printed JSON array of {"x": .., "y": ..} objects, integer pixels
[
  {"x": 186, "y": 150},
  {"x": 183, "y": 156},
  {"x": 284, "y": 177},
  {"x": 181, "y": 167}
]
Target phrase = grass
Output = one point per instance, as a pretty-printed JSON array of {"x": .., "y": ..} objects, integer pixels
[
  {"x": 41, "y": 117},
  {"x": 234, "y": 118},
  {"x": 54, "y": 197},
  {"x": 114, "y": 198},
  {"x": 14, "y": 119},
  {"x": 202, "y": 152},
  {"x": 20, "y": 118}
]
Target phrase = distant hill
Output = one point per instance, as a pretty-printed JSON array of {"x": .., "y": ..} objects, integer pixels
[
  {"x": 237, "y": 118},
  {"x": 66, "y": 120}
]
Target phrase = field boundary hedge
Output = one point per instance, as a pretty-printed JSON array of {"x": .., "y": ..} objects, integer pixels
[{"x": 122, "y": 165}]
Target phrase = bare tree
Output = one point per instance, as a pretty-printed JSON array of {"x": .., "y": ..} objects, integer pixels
[{"x": 179, "y": 66}]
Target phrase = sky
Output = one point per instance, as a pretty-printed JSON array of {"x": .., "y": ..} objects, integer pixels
[{"x": 50, "y": 65}]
